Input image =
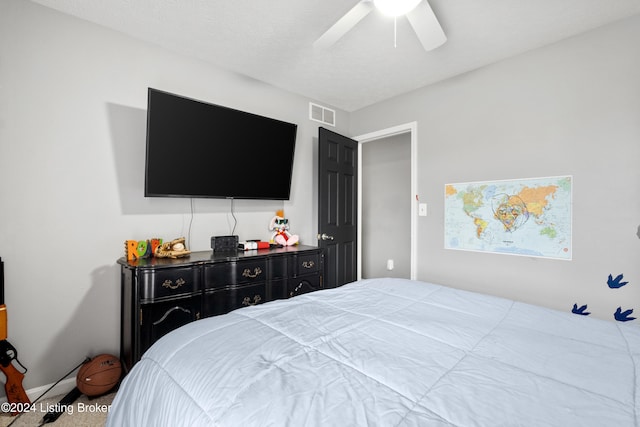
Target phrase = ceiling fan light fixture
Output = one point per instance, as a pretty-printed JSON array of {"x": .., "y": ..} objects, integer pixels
[{"x": 395, "y": 7}]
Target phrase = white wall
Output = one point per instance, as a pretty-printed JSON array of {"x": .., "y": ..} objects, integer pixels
[
  {"x": 72, "y": 135},
  {"x": 572, "y": 108}
]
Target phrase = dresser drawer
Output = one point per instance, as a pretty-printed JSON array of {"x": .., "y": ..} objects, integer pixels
[
  {"x": 168, "y": 282},
  {"x": 242, "y": 272},
  {"x": 158, "y": 319},
  {"x": 306, "y": 263},
  {"x": 304, "y": 284},
  {"x": 226, "y": 299}
]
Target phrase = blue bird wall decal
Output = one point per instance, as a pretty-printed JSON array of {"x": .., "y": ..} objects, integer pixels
[
  {"x": 623, "y": 316},
  {"x": 616, "y": 283},
  {"x": 581, "y": 311}
]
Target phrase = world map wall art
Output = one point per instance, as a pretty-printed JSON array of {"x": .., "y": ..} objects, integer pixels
[{"x": 529, "y": 217}]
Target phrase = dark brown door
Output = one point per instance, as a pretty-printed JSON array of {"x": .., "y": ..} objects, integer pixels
[{"x": 337, "y": 206}]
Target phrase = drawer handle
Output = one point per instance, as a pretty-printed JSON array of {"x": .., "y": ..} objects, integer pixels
[
  {"x": 169, "y": 284},
  {"x": 247, "y": 300},
  {"x": 296, "y": 289},
  {"x": 256, "y": 272},
  {"x": 308, "y": 264},
  {"x": 168, "y": 312}
]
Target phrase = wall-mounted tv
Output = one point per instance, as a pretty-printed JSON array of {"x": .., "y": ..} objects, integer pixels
[{"x": 198, "y": 149}]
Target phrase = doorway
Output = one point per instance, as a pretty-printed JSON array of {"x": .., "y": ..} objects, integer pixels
[{"x": 398, "y": 258}]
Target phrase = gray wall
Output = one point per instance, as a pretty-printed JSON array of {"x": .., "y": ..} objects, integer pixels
[
  {"x": 386, "y": 206},
  {"x": 72, "y": 135},
  {"x": 572, "y": 108}
]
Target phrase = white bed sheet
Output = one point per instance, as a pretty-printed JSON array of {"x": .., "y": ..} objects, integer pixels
[{"x": 388, "y": 352}]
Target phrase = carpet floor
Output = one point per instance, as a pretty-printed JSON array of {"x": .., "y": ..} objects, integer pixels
[{"x": 85, "y": 412}]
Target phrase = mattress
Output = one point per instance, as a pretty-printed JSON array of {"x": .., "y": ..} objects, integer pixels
[{"x": 388, "y": 352}]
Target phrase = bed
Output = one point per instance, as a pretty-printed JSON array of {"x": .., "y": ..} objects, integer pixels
[{"x": 388, "y": 352}]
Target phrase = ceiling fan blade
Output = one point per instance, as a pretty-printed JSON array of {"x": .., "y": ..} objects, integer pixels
[
  {"x": 426, "y": 26},
  {"x": 344, "y": 24}
]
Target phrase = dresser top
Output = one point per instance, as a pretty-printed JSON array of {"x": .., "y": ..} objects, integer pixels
[{"x": 210, "y": 257}]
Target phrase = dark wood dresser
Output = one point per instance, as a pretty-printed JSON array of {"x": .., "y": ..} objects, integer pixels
[{"x": 160, "y": 295}]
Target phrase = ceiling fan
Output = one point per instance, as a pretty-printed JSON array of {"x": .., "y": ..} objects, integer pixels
[{"x": 418, "y": 12}]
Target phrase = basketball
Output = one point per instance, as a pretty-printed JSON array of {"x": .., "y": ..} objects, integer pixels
[{"x": 99, "y": 375}]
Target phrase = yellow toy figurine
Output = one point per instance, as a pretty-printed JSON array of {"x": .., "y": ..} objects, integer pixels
[{"x": 280, "y": 226}]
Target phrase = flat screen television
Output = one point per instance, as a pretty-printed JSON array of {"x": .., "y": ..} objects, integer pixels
[{"x": 197, "y": 149}]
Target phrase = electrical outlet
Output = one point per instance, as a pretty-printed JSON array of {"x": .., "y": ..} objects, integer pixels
[{"x": 422, "y": 209}]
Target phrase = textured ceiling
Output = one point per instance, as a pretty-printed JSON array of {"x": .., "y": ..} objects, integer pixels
[{"x": 272, "y": 40}]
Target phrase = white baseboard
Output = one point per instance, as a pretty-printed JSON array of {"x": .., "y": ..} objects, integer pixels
[{"x": 63, "y": 387}]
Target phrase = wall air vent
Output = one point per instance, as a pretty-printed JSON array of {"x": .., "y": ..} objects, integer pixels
[{"x": 321, "y": 114}]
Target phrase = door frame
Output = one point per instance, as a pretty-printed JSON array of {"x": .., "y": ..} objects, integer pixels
[{"x": 412, "y": 128}]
